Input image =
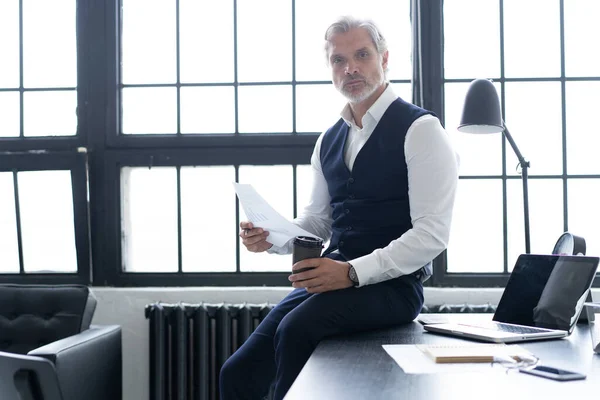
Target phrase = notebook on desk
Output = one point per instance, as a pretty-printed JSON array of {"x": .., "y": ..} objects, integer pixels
[
  {"x": 472, "y": 352},
  {"x": 542, "y": 300}
]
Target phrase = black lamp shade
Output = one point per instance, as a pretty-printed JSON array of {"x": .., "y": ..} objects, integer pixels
[{"x": 481, "y": 110}]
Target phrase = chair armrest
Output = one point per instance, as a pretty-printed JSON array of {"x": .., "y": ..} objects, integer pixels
[
  {"x": 27, "y": 377},
  {"x": 88, "y": 364}
]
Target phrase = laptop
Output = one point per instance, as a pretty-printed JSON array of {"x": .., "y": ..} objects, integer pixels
[{"x": 542, "y": 300}]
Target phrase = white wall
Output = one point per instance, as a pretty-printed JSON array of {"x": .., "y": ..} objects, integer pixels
[{"x": 125, "y": 307}]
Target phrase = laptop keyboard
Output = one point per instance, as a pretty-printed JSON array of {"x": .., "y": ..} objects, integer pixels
[{"x": 498, "y": 326}]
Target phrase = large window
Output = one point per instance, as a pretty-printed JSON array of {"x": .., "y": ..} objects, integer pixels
[
  {"x": 232, "y": 94},
  {"x": 548, "y": 79},
  {"x": 44, "y": 231},
  {"x": 123, "y": 124}
]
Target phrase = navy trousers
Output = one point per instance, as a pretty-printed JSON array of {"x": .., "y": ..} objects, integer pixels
[{"x": 280, "y": 346}]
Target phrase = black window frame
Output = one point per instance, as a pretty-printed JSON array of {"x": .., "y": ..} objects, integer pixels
[
  {"x": 76, "y": 164},
  {"x": 442, "y": 277},
  {"x": 120, "y": 150},
  {"x": 100, "y": 150},
  {"x": 65, "y": 153}
]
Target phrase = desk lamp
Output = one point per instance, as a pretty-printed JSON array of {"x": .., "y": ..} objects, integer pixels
[{"x": 482, "y": 114}]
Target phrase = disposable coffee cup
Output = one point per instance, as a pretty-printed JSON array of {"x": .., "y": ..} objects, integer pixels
[{"x": 306, "y": 247}]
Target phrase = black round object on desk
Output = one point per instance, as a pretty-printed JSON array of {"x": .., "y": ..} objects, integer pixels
[{"x": 570, "y": 245}]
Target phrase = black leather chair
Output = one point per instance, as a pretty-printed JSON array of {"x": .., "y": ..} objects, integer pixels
[{"x": 49, "y": 350}]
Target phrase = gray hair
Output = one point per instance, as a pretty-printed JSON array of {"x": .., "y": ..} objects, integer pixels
[{"x": 345, "y": 24}]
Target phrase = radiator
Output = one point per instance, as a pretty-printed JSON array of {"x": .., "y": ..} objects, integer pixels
[{"x": 190, "y": 342}]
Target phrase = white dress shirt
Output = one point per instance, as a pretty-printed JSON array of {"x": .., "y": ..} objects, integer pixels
[{"x": 432, "y": 180}]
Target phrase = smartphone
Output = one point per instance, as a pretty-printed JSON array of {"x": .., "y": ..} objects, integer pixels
[{"x": 553, "y": 373}]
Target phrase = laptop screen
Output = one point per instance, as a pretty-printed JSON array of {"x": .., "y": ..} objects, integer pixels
[{"x": 546, "y": 291}]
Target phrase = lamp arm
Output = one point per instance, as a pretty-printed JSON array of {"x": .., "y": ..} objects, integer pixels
[
  {"x": 524, "y": 176},
  {"x": 522, "y": 161}
]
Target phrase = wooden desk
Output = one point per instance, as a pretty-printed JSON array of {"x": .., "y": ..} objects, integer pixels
[{"x": 357, "y": 367}]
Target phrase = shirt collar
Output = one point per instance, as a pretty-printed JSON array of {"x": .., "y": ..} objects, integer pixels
[{"x": 375, "y": 112}]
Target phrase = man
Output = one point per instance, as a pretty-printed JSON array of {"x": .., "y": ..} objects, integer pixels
[{"x": 385, "y": 177}]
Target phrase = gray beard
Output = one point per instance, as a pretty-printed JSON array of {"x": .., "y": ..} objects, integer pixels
[{"x": 368, "y": 91}]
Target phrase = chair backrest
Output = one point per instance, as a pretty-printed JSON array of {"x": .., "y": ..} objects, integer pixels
[
  {"x": 28, "y": 378},
  {"x": 32, "y": 316}
]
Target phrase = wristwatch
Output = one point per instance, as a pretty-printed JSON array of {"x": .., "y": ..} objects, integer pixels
[{"x": 352, "y": 275}]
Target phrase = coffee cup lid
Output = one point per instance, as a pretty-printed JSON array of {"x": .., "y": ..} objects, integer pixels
[{"x": 308, "y": 241}]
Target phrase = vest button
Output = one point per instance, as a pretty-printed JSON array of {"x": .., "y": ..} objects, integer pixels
[
  {"x": 351, "y": 180},
  {"x": 348, "y": 228},
  {"x": 351, "y": 196},
  {"x": 347, "y": 211},
  {"x": 340, "y": 244}
]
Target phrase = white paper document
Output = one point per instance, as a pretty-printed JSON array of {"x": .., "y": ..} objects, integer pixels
[
  {"x": 262, "y": 215},
  {"x": 414, "y": 361}
]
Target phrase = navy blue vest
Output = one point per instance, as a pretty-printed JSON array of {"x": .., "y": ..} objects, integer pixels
[{"x": 370, "y": 205}]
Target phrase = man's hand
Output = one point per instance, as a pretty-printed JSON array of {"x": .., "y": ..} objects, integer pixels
[
  {"x": 255, "y": 239},
  {"x": 327, "y": 275}
]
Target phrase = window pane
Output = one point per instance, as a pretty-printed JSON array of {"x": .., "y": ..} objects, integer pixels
[
  {"x": 304, "y": 182},
  {"x": 9, "y": 247},
  {"x": 9, "y": 45},
  {"x": 582, "y": 53},
  {"x": 148, "y": 41},
  {"x": 539, "y": 138},
  {"x": 584, "y": 213},
  {"x": 265, "y": 109},
  {"x": 149, "y": 110},
  {"x": 149, "y": 219},
  {"x": 46, "y": 205},
  {"x": 50, "y": 113},
  {"x": 208, "y": 226},
  {"x": 274, "y": 184},
  {"x": 545, "y": 216},
  {"x": 49, "y": 45},
  {"x": 10, "y": 107},
  {"x": 479, "y": 154},
  {"x": 531, "y": 38},
  {"x": 207, "y": 109},
  {"x": 204, "y": 59},
  {"x": 403, "y": 90},
  {"x": 318, "y": 107},
  {"x": 469, "y": 55},
  {"x": 264, "y": 40},
  {"x": 476, "y": 243},
  {"x": 391, "y": 16},
  {"x": 583, "y": 134}
]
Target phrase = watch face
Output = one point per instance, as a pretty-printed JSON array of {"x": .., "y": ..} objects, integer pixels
[{"x": 352, "y": 275}]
